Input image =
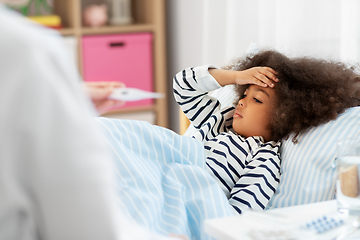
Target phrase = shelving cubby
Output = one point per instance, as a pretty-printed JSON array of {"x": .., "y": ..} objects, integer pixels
[{"x": 148, "y": 17}]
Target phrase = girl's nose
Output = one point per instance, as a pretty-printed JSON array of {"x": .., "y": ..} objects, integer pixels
[{"x": 241, "y": 103}]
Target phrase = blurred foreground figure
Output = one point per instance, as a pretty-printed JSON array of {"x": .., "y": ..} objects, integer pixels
[{"x": 55, "y": 173}]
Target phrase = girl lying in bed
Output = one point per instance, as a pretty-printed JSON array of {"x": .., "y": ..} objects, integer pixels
[
  {"x": 171, "y": 185},
  {"x": 240, "y": 153},
  {"x": 277, "y": 96}
]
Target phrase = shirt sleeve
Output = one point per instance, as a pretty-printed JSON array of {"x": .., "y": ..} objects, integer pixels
[
  {"x": 259, "y": 179},
  {"x": 191, "y": 88}
]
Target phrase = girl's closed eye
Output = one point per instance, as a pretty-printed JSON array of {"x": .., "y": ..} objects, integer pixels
[
  {"x": 244, "y": 95},
  {"x": 257, "y": 100}
]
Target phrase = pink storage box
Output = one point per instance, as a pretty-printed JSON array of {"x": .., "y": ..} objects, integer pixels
[{"x": 125, "y": 58}]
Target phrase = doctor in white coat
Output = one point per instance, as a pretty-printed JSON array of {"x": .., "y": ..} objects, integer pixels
[{"x": 55, "y": 173}]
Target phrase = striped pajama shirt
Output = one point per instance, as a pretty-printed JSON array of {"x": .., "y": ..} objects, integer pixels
[{"x": 247, "y": 169}]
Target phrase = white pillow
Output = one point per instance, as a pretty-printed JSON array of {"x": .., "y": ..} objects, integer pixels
[{"x": 308, "y": 170}]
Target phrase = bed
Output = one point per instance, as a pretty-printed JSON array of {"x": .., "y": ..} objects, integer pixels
[
  {"x": 162, "y": 182},
  {"x": 161, "y": 178}
]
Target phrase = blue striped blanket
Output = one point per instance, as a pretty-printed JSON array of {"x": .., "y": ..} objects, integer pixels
[{"x": 161, "y": 180}]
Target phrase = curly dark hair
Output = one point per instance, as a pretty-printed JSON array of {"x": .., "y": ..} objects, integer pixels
[{"x": 310, "y": 91}]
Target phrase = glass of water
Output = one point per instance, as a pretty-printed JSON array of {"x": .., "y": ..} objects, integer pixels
[{"x": 348, "y": 180}]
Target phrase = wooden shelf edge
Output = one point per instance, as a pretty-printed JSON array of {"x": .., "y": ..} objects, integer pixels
[
  {"x": 132, "y": 109},
  {"x": 108, "y": 29},
  {"x": 67, "y": 31},
  {"x": 118, "y": 29}
]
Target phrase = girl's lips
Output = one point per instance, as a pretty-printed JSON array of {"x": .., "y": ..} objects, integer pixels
[{"x": 237, "y": 115}]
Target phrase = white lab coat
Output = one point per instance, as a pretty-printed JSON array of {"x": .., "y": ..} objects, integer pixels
[{"x": 55, "y": 173}]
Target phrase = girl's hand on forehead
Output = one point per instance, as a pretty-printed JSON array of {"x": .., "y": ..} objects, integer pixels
[{"x": 261, "y": 76}]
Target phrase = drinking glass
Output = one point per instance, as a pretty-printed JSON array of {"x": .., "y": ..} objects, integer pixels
[{"x": 348, "y": 176}]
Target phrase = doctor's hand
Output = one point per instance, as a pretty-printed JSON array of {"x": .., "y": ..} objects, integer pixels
[{"x": 99, "y": 92}]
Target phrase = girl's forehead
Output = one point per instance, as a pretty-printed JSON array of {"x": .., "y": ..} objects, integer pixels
[{"x": 268, "y": 91}]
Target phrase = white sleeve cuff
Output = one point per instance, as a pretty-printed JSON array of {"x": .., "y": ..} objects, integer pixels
[{"x": 205, "y": 80}]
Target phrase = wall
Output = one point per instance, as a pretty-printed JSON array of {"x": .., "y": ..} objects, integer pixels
[
  {"x": 183, "y": 44},
  {"x": 217, "y": 31},
  {"x": 197, "y": 33}
]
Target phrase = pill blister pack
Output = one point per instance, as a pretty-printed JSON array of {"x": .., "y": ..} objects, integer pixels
[{"x": 324, "y": 223}]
